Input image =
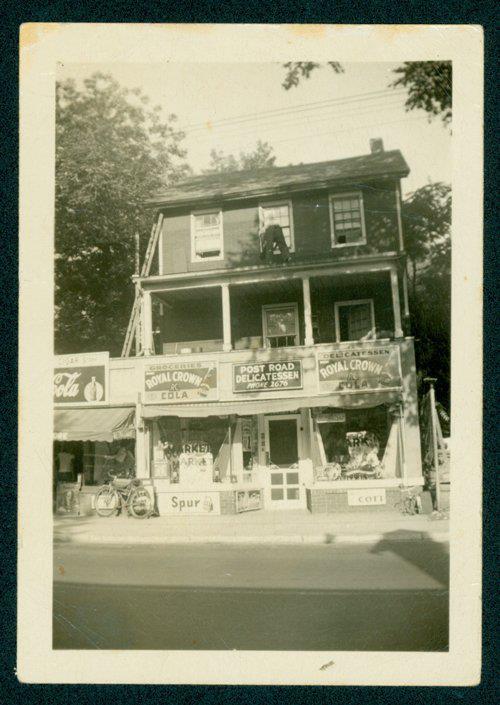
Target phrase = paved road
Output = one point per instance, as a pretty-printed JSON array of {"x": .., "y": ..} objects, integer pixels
[{"x": 388, "y": 596}]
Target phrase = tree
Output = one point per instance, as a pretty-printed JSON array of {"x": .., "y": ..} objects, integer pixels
[
  {"x": 302, "y": 69},
  {"x": 429, "y": 83},
  {"x": 112, "y": 150},
  {"x": 427, "y": 220},
  {"x": 262, "y": 157},
  {"x": 426, "y": 215}
]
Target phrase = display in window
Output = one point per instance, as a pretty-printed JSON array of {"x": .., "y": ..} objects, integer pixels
[{"x": 353, "y": 445}]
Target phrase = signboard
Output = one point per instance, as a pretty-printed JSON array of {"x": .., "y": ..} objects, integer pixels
[
  {"x": 353, "y": 369},
  {"x": 180, "y": 382},
  {"x": 81, "y": 379},
  {"x": 365, "y": 498},
  {"x": 247, "y": 500},
  {"x": 267, "y": 376},
  {"x": 187, "y": 503}
]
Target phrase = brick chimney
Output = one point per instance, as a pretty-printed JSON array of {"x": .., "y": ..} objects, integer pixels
[{"x": 376, "y": 145}]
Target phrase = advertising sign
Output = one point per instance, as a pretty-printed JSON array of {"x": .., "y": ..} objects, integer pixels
[
  {"x": 187, "y": 503},
  {"x": 81, "y": 379},
  {"x": 180, "y": 382},
  {"x": 365, "y": 498},
  {"x": 247, "y": 500},
  {"x": 267, "y": 376},
  {"x": 352, "y": 369}
]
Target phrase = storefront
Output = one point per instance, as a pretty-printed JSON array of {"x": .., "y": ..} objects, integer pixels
[
  {"x": 341, "y": 449},
  {"x": 91, "y": 436}
]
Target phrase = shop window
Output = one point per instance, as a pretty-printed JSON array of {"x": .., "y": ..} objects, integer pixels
[
  {"x": 192, "y": 452},
  {"x": 278, "y": 214},
  {"x": 353, "y": 443},
  {"x": 281, "y": 325},
  {"x": 347, "y": 219},
  {"x": 206, "y": 236},
  {"x": 354, "y": 320}
]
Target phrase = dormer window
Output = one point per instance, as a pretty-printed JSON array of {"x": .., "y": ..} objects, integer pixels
[
  {"x": 206, "y": 235},
  {"x": 347, "y": 219}
]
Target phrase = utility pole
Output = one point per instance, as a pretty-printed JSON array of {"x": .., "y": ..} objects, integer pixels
[{"x": 432, "y": 401}]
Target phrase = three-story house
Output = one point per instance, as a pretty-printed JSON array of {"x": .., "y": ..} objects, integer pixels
[{"x": 276, "y": 382}]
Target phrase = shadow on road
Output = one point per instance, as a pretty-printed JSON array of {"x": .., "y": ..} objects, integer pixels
[{"x": 435, "y": 560}]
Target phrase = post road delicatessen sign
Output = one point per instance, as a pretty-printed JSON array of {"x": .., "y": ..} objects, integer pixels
[
  {"x": 269, "y": 376},
  {"x": 353, "y": 369},
  {"x": 180, "y": 382},
  {"x": 81, "y": 379}
]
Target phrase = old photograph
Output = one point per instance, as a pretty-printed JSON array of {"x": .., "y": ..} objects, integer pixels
[{"x": 251, "y": 409}]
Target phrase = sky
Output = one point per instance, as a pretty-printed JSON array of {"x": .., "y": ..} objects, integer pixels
[{"x": 329, "y": 116}]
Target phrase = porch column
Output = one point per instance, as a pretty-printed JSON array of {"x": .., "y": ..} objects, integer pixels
[
  {"x": 226, "y": 318},
  {"x": 147, "y": 323},
  {"x": 306, "y": 295},
  {"x": 398, "y": 331}
]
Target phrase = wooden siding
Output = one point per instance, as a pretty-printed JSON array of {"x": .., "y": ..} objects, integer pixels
[{"x": 311, "y": 218}]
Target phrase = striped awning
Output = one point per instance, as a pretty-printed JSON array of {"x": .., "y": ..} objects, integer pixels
[
  {"x": 269, "y": 406},
  {"x": 105, "y": 424}
]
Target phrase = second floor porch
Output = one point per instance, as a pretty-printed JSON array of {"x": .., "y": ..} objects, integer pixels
[{"x": 280, "y": 308}]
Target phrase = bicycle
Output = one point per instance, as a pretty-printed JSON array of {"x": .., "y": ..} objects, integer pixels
[
  {"x": 119, "y": 494},
  {"x": 410, "y": 501}
]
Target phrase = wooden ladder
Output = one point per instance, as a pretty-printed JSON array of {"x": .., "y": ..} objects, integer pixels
[{"x": 133, "y": 328}]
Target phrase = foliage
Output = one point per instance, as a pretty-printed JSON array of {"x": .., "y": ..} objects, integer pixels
[
  {"x": 262, "y": 157},
  {"x": 426, "y": 217},
  {"x": 112, "y": 150},
  {"x": 429, "y": 85},
  {"x": 302, "y": 69},
  {"x": 427, "y": 221}
]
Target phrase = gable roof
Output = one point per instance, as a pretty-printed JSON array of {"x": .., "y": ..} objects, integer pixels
[{"x": 275, "y": 180}]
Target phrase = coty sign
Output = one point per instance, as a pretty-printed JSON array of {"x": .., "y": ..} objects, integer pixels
[
  {"x": 267, "y": 376},
  {"x": 180, "y": 382},
  {"x": 352, "y": 369}
]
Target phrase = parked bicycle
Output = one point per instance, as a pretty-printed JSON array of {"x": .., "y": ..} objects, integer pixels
[{"x": 119, "y": 494}]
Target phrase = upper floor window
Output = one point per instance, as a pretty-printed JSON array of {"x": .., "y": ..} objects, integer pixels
[
  {"x": 354, "y": 320},
  {"x": 347, "y": 219},
  {"x": 206, "y": 235},
  {"x": 279, "y": 213},
  {"x": 280, "y": 325}
]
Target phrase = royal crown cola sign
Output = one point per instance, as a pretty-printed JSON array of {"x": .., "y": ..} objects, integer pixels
[{"x": 359, "y": 368}]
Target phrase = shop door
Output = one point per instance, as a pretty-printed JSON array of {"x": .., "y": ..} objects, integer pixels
[{"x": 282, "y": 455}]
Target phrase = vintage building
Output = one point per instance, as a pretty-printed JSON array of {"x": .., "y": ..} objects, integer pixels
[{"x": 268, "y": 381}]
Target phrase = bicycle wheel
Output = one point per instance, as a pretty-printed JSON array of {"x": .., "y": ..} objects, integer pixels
[
  {"x": 140, "y": 504},
  {"x": 107, "y": 502}
]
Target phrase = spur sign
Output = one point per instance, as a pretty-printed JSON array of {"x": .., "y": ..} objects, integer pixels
[
  {"x": 180, "y": 382},
  {"x": 81, "y": 379},
  {"x": 353, "y": 369}
]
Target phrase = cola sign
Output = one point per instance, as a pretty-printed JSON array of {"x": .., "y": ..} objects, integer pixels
[{"x": 79, "y": 379}]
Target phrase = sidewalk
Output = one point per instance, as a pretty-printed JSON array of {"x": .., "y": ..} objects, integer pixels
[{"x": 293, "y": 526}]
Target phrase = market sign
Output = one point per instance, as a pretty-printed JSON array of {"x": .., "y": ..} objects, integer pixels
[
  {"x": 81, "y": 379},
  {"x": 180, "y": 382},
  {"x": 366, "y": 498},
  {"x": 352, "y": 369},
  {"x": 186, "y": 503},
  {"x": 267, "y": 376}
]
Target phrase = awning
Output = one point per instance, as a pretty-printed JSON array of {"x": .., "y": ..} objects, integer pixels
[
  {"x": 268, "y": 406},
  {"x": 106, "y": 424}
]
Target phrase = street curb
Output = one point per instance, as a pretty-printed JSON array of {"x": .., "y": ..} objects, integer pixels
[{"x": 324, "y": 539}]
